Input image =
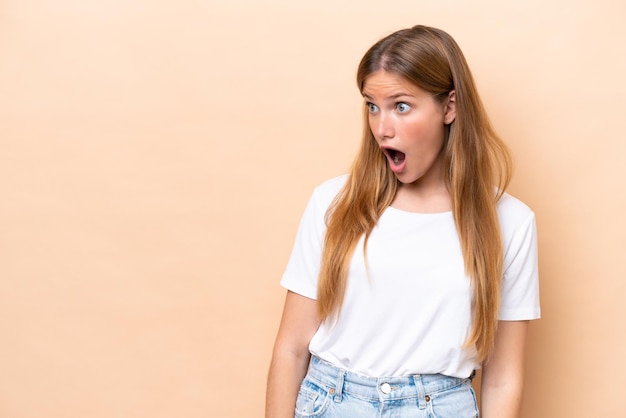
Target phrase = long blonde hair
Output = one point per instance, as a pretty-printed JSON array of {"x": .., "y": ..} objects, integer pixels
[{"x": 477, "y": 169}]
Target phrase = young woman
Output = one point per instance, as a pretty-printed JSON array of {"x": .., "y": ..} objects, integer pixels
[{"x": 416, "y": 268}]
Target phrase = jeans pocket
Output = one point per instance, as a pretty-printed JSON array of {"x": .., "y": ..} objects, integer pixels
[
  {"x": 475, "y": 402},
  {"x": 456, "y": 402},
  {"x": 312, "y": 400}
]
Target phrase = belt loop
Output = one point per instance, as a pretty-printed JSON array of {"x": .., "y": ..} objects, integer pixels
[
  {"x": 421, "y": 392},
  {"x": 472, "y": 376},
  {"x": 339, "y": 388}
]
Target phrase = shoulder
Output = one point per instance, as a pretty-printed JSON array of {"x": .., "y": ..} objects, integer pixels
[
  {"x": 517, "y": 221},
  {"x": 320, "y": 200},
  {"x": 326, "y": 192},
  {"x": 513, "y": 211}
]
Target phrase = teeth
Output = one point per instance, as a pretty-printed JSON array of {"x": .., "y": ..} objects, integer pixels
[{"x": 396, "y": 159}]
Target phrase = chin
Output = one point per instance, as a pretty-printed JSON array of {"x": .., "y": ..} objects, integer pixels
[{"x": 404, "y": 179}]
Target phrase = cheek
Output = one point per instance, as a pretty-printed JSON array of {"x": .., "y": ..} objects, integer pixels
[{"x": 431, "y": 129}]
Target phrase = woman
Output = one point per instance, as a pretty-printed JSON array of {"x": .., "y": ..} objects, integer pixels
[{"x": 416, "y": 268}]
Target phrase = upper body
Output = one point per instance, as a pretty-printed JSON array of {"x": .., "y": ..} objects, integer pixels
[{"x": 407, "y": 308}]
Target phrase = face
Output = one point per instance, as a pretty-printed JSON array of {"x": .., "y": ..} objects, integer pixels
[{"x": 409, "y": 126}]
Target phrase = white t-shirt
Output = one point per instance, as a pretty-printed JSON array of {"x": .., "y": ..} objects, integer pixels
[{"x": 410, "y": 311}]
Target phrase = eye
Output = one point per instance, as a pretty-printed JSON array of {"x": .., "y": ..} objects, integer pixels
[
  {"x": 403, "y": 107},
  {"x": 372, "y": 107}
]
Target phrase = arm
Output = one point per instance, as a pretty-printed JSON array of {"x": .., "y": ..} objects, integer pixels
[
  {"x": 503, "y": 372},
  {"x": 290, "y": 358}
]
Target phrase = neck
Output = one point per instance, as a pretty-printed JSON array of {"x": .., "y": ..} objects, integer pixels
[{"x": 422, "y": 199}]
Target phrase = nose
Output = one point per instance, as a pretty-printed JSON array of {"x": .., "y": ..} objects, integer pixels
[{"x": 383, "y": 127}]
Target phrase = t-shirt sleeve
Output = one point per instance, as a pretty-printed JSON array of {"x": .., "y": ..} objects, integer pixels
[
  {"x": 303, "y": 267},
  {"x": 520, "y": 284}
]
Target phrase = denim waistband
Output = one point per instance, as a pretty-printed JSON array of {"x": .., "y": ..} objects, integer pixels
[{"x": 421, "y": 386}]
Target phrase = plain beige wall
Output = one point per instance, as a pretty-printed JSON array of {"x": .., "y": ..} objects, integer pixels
[{"x": 156, "y": 157}]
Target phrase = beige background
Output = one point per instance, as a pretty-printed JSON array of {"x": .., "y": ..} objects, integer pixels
[{"x": 156, "y": 157}]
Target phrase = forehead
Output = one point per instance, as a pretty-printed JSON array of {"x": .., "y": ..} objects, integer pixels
[{"x": 384, "y": 83}]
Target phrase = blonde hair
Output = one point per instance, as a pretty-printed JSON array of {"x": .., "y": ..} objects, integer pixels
[{"x": 477, "y": 169}]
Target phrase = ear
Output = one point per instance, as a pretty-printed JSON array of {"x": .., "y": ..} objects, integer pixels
[{"x": 449, "y": 110}]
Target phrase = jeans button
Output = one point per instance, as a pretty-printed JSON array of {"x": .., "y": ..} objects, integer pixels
[{"x": 385, "y": 388}]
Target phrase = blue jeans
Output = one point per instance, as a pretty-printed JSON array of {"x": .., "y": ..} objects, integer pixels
[{"x": 329, "y": 392}]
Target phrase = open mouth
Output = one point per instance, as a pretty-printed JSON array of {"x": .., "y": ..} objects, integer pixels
[{"x": 394, "y": 156}]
